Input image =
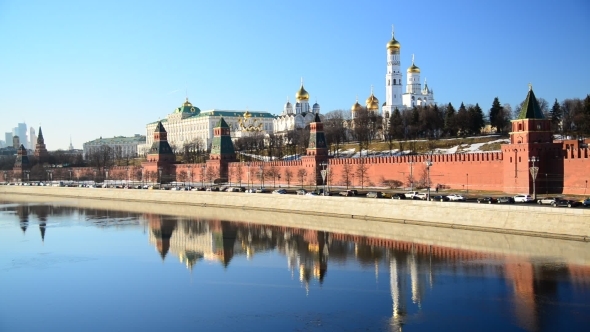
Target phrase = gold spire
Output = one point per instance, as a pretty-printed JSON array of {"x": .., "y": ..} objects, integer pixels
[{"x": 356, "y": 106}]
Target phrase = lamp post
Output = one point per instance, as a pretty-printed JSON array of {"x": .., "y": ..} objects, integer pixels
[
  {"x": 6, "y": 177},
  {"x": 248, "y": 164},
  {"x": 106, "y": 176},
  {"x": 160, "y": 176},
  {"x": 203, "y": 175},
  {"x": 411, "y": 177},
  {"x": 95, "y": 176},
  {"x": 428, "y": 163},
  {"x": 547, "y": 185},
  {"x": 324, "y": 175},
  {"x": 27, "y": 172},
  {"x": 467, "y": 183},
  {"x": 262, "y": 176},
  {"x": 534, "y": 171},
  {"x": 70, "y": 174}
]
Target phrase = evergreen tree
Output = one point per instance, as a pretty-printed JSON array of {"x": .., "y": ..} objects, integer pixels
[
  {"x": 556, "y": 115},
  {"x": 439, "y": 120},
  {"x": 450, "y": 126},
  {"x": 476, "y": 119},
  {"x": 462, "y": 120},
  {"x": 495, "y": 120},
  {"x": 396, "y": 125}
]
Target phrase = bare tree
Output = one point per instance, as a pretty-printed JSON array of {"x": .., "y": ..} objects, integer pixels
[
  {"x": 273, "y": 172},
  {"x": 301, "y": 175},
  {"x": 392, "y": 184},
  {"x": 362, "y": 173},
  {"x": 347, "y": 173},
  {"x": 288, "y": 176},
  {"x": 239, "y": 173}
]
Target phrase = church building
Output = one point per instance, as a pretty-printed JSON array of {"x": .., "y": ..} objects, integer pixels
[{"x": 297, "y": 117}]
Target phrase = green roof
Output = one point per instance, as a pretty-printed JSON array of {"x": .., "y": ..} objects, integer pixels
[
  {"x": 118, "y": 140},
  {"x": 530, "y": 108}
]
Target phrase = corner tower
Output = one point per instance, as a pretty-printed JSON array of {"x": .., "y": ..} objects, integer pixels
[{"x": 393, "y": 77}]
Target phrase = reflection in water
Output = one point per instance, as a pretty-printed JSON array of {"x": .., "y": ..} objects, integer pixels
[{"x": 412, "y": 267}]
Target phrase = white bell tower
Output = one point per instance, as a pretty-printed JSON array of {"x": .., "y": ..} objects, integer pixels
[{"x": 393, "y": 77}]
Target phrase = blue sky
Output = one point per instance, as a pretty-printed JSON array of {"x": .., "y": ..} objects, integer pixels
[{"x": 105, "y": 68}]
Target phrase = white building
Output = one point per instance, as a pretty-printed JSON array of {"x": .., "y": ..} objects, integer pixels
[
  {"x": 298, "y": 117},
  {"x": 414, "y": 94},
  {"x": 128, "y": 145},
  {"x": 188, "y": 123},
  {"x": 32, "y": 138}
]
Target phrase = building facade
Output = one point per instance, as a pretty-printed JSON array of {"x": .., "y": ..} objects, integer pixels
[
  {"x": 296, "y": 116},
  {"x": 127, "y": 145},
  {"x": 188, "y": 123}
]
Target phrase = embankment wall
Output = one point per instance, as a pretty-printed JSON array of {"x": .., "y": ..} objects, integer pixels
[{"x": 514, "y": 219}]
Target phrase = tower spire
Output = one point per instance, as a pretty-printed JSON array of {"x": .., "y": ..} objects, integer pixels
[
  {"x": 392, "y": 30},
  {"x": 412, "y": 59}
]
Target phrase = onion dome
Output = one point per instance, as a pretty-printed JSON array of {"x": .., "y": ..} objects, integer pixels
[
  {"x": 413, "y": 68},
  {"x": 372, "y": 102},
  {"x": 301, "y": 93},
  {"x": 187, "y": 107},
  {"x": 356, "y": 107},
  {"x": 393, "y": 45}
]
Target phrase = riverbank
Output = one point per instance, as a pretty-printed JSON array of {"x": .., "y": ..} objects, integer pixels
[{"x": 531, "y": 220}]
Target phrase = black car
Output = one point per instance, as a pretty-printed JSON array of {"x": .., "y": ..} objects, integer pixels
[
  {"x": 398, "y": 196},
  {"x": 505, "y": 200},
  {"x": 439, "y": 198},
  {"x": 566, "y": 203},
  {"x": 487, "y": 200}
]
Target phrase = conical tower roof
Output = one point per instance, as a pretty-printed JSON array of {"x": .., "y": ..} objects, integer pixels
[
  {"x": 530, "y": 108},
  {"x": 221, "y": 123}
]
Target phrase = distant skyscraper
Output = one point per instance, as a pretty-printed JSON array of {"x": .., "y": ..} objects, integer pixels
[
  {"x": 32, "y": 138},
  {"x": 15, "y": 142},
  {"x": 8, "y": 138},
  {"x": 1, "y": 143},
  {"x": 22, "y": 132}
]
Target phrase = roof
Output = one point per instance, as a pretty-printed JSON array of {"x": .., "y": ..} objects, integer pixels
[
  {"x": 118, "y": 140},
  {"x": 530, "y": 108}
]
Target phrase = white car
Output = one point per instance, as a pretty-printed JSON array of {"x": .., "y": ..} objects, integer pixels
[
  {"x": 523, "y": 198},
  {"x": 456, "y": 198}
]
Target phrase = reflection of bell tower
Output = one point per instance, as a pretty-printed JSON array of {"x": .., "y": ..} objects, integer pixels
[
  {"x": 23, "y": 215},
  {"x": 522, "y": 275},
  {"x": 225, "y": 249},
  {"x": 397, "y": 287}
]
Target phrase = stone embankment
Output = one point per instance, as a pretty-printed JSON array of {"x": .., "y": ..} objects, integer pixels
[{"x": 533, "y": 220}]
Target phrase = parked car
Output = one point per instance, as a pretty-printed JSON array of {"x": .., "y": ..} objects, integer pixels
[
  {"x": 566, "y": 203},
  {"x": 421, "y": 196},
  {"x": 523, "y": 198},
  {"x": 301, "y": 192},
  {"x": 411, "y": 194},
  {"x": 505, "y": 200},
  {"x": 348, "y": 193},
  {"x": 398, "y": 196},
  {"x": 487, "y": 200},
  {"x": 456, "y": 198},
  {"x": 311, "y": 193},
  {"x": 547, "y": 200},
  {"x": 586, "y": 202},
  {"x": 385, "y": 195},
  {"x": 279, "y": 191},
  {"x": 374, "y": 194},
  {"x": 439, "y": 198}
]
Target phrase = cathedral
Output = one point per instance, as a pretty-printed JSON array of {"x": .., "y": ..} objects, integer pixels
[{"x": 298, "y": 117}]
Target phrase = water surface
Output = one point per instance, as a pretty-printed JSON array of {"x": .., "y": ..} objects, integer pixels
[{"x": 81, "y": 269}]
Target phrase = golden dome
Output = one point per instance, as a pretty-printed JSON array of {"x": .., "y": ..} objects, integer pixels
[
  {"x": 302, "y": 94},
  {"x": 187, "y": 103},
  {"x": 372, "y": 102},
  {"x": 393, "y": 45},
  {"x": 356, "y": 107},
  {"x": 413, "y": 68}
]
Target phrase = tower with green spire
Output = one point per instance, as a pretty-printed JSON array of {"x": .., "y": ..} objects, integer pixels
[{"x": 222, "y": 150}]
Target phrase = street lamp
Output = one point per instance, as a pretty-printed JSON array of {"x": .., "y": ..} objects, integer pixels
[
  {"x": 428, "y": 163},
  {"x": 411, "y": 177},
  {"x": 547, "y": 185},
  {"x": 324, "y": 175},
  {"x": 27, "y": 173},
  {"x": 203, "y": 175},
  {"x": 467, "y": 183},
  {"x": 160, "y": 176},
  {"x": 262, "y": 176},
  {"x": 6, "y": 177},
  {"x": 248, "y": 164},
  {"x": 70, "y": 174},
  {"x": 106, "y": 175},
  {"x": 534, "y": 171}
]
